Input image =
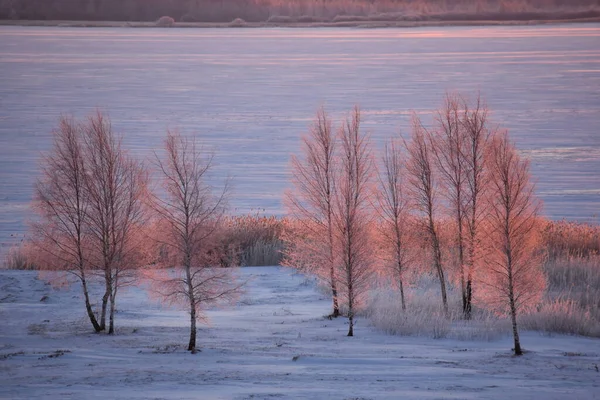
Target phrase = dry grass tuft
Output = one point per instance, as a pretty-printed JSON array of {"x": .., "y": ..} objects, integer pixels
[{"x": 19, "y": 257}]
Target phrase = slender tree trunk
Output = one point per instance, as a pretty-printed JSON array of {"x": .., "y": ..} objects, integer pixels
[
  {"x": 400, "y": 267},
  {"x": 192, "y": 299},
  {"x": 111, "y": 323},
  {"x": 107, "y": 284},
  {"x": 470, "y": 268},
  {"x": 511, "y": 294},
  {"x": 334, "y": 293},
  {"x": 437, "y": 259},
  {"x": 88, "y": 306},
  {"x": 350, "y": 318},
  {"x": 513, "y": 317},
  {"x": 402, "y": 295},
  {"x": 192, "y": 343},
  {"x": 463, "y": 291},
  {"x": 104, "y": 306},
  {"x": 461, "y": 260},
  {"x": 468, "y": 308},
  {"x": 86, "y": 294},
  {"x": 442, "y": 279},
  {"x": 351, "y": 324},
  {"x": 399, "y": 260},
  {"x": 350, "y": 294}
]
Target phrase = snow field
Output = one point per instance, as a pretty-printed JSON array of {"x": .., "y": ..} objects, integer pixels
[{"x": 276, "y": 343}]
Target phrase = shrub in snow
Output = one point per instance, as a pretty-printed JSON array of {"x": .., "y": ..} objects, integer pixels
[
  {"x": 165, "y": 21},
  {"x": 237, "y": 22}
]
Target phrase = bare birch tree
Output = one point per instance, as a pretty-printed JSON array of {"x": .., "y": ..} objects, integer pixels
[
  {"x": 448, "y": 147},
  {"x": 461, "y": 140},
  {"x": 478, "y": 137},
  {"x": 352, "y": 216},
  {"x": 116, "y": 185},
  {"x": 393, "y": 207},
  {"x": 513, "y": 279},
  {"x": 61, "y": 202},
  {"x": 311, "y": 203},
  {"x": 190, "y": 217},
  {"x": 424, "y": 191}
]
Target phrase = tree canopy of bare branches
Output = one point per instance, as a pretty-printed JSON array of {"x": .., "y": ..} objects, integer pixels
[
  {"x": 513, "y": 278},
  {"x": 60, "y": 233},
  {"x": 394, "y": 209},
  {"x": 460, "y": 141},
  {"x": 447, "y": 148},
  {"x": 311, "y": 203},
  {"x": 353, "y": 214},
  {"x": 478, "y": 137},
  {"x": 424, "y": 191},
  {"x": 116, "y": 187},
  {"x": 189, "y": 221},
  {"x": 91, "y": 203}
]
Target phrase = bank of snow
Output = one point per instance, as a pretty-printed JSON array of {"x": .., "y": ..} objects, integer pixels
[{"x": 274, "y": 344}]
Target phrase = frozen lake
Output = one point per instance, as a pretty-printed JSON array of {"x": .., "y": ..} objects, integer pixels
[{"x": 250, "y": 93}]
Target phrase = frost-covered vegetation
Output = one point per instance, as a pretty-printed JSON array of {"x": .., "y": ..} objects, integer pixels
[
  {"x": 165, "y": 21},
  {"x": 452, "y": 201},
  {"x": 297, "y": 11},
  {"x": 377, "y": 230}
]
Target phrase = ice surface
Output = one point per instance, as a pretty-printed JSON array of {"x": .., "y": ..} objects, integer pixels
[{"x": 251, "y": 93}]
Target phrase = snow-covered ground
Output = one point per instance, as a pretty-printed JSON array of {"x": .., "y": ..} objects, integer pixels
[{"x": 275, "y": 343}]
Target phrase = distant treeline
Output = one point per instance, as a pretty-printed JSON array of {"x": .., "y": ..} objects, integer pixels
[{"x": 295, "y": 10}]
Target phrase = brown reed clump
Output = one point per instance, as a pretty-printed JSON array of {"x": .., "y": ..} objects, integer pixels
[{"x": 254, "y": 239}]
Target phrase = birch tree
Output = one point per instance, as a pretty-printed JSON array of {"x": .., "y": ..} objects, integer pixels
[
  {"x": 478, "y": 136},
  {"x": 513, "y": 279},
  {"x": 424, "y": 191},
  {"x": 352, "y": 216},
  {"x": 116, "y": 186},
  {"x": 191, "y": 213},
  {"x": 393, "y": 206},
  {"x": 462, "y": 136},
  {"x": 61, "y": 202},
  {"x": 447, "y": 149},
  {"x": 311, "y": 205}
]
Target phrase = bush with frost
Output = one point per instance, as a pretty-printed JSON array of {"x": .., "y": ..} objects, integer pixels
[
  {"x": 165, "y": 22},
  {"x": 238, "y": 22}
]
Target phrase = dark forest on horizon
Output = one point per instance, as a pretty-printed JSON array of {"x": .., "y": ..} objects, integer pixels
[{"x": 294, "y": 11}]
